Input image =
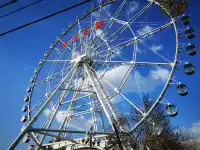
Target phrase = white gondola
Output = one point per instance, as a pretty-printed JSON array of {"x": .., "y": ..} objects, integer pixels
[
  {"x": 185, "y": 20},
  {"x": 26, "y": 138},
  {"x": 31, "y": 147},
  {"x": 36, "y": 71},
  {"x": 171, "y": 110},
  {"x": 189, "y": 68},
  {"x": 32, "y": 80},
  {"x": 191, "y": 49},
  {"x": 70, "y": 25},
  {"x": 46, "y": 54},
  {"x": 190, "y": 33},
  {"x": 24, "y": 108},
  {"x": 27, "y": 98},
  {"x": 29, "y": 89},
  {"x": 182, "y": 89},
  {"x": 23, "y": 128},
  {"x": 51, "y": 46},
  {"x": 24, "y": 118},
  {"x": 41, "y": 62}
]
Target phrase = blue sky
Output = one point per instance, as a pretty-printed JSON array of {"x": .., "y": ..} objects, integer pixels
[{"x": 21, "y": 51}]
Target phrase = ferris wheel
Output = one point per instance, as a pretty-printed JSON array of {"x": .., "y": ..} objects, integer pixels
[{"x": 98, "y": 69}]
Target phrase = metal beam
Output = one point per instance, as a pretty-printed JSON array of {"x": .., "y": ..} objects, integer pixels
[
  {"x": 66, "y": 131},
  {"x": 100, "y": 95},
  {"x": 21, "y": 135}
]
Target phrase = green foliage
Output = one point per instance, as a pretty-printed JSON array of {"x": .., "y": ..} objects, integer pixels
[
  {"x": 158, "y": 136},
  {"x": 174, "y": 7}
]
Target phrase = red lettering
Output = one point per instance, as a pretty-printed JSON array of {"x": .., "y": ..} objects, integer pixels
[
  {"x": 99, "y": 24},
  {"x": 86, "y": 32},
  {"x": 75, "y": 38},
  {"x": 64, "y": 44}
]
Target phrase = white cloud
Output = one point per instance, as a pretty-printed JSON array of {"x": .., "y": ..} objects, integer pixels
[
  {"x": 116, "y": 53},
  {"x": 47, "y": 112},
  {"x": 157, "y": 47},
  {"x": 194, "y": 131},
  {"x": 82, "y": 123},
  {"x": 79, "y": 123},
  {"x": 132, "y": 7},
  {"x": 61, "y": 115},
  {"x": 136, "y": 82},
  {"x": 58, "y": 51},
  {"x": 159, "y": 74},
  {"x": 143, "y": 30}
]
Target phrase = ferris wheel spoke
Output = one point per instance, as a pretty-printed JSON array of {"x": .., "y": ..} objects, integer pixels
[
  {"x": 112, "y": 19},
  {"x": 80, "y": 30},
  {"x": 46, "y": 96},
  {"x": 76, "y": 99},
  {"x": 63, "y": 95},
  {"x": 99, "y": 13},
  {"x": 66, "y": 45},
  {"x": 47, "y": 119},
  {"x": 53, "y": 76},
  {"x": 70, "y": 112},
  {"x": 38, "y": 114},
  {"x": 116, "y": 34},
  {"x": 122, "y": 95},
  {"x": 125, "y": 78},
  {"x": 116, "y": 14},
  {"x": 32, "y": 135},
  {"x": 94, "y": 118},
  {"x": 153, "y": 31},
  {"x": 107, "y": 107},
  {"x": 55, "y": 63},
  {"x": 71, "y": 109},
  {"x": 155, "y": 52},
  {"x": 119, "y": 46},
  {"x": 58, "y": 61},
  {"x": 143, "y": 36},
  {"x": 137, "y": 63},
  {"x": 135, "y": 39},
  {"x": 93, "y": 34}
]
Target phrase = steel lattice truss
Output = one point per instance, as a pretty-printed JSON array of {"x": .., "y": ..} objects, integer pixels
[{"x": 71, "y": 82}]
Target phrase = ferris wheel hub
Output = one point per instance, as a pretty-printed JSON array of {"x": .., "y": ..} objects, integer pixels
[
  {"x": 82, "y": 59},
  {"x": 78, "y": 59}
]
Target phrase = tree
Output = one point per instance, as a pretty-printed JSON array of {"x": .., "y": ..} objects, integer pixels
[
  {"x": 174, "y": 7},
  {"x": 156, "y": 131}
]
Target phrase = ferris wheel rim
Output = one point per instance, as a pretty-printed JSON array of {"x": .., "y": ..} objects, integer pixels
[
  {"x": 160, "y": 97},
  {"x": 171, "y": 74},
  {"x": 167, "y": 83}
]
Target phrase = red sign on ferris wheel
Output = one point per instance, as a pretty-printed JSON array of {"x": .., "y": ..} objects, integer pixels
[
  {"x": 86, "y": 32},
  {"x": 64, "y": 44},
  {"x": 75, "y": 38},
  {"x": 99, "y": 24}
]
